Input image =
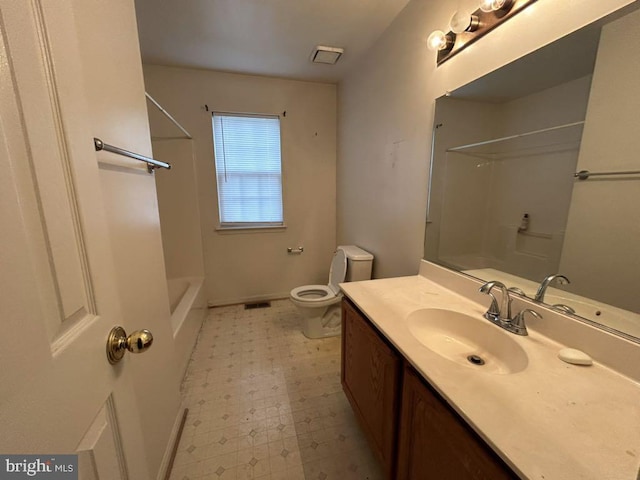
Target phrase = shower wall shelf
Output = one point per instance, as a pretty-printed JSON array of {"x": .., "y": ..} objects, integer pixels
[{"x": 529, "y": 233}]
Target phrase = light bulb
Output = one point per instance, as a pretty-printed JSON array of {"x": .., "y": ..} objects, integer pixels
[
  {"x": 438, "y": 40},
  {"x": 502, "y": 4},
  {"x": 486, "y": 5},
  {"x": 463, "y": 22},
  {"x": 493, "y": 5}
]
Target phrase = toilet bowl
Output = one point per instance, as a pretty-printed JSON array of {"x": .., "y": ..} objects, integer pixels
[{"x": 319, "y": 305}]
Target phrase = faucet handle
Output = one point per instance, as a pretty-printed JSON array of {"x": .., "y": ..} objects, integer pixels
[
  {"x": 518, "y": 326},
  {"x": 564, "y": 308}
]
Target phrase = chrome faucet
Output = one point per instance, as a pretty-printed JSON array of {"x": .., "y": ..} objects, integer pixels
[
  {"x": 496, "y": 313},
  {"x": 501, "y": 316},
  {"x": 542, "y": 289}
]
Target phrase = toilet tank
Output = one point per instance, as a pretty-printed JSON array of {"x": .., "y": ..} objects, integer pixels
[{"x": 359, "y": 263}]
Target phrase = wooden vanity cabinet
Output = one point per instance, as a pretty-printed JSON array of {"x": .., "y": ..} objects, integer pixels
[
  {"x": 415, "y": 434},
  {"x": 370, "y": 373},
  {"x": 436, "y": 444}
]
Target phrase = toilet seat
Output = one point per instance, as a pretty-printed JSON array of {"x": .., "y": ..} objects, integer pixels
[
  {"x": 323, "y": 295},
  {"x": 312, "y": 293},
  {"x": 314, "y": 296}
]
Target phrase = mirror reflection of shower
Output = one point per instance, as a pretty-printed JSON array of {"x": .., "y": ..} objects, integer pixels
[{"x": 505, "y": 201}]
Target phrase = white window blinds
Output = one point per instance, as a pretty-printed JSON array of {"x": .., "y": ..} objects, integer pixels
[{"x": 248, "y": 169}]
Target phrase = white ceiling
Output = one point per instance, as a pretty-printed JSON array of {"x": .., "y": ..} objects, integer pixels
[{"x": 262, "y": 37}]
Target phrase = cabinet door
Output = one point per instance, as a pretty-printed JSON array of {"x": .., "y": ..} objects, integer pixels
[
  {"x": 370, "y": 378},
  {"x": 435, "y": 443}
]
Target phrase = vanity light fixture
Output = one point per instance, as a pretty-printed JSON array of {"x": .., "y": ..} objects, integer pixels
[{"x": 466, "y": 28}]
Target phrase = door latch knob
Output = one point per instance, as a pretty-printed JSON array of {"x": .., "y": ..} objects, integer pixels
[{"x": 118, "y": 343}]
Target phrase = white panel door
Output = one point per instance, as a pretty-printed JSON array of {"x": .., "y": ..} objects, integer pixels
[{"x": 58, "y": 301}]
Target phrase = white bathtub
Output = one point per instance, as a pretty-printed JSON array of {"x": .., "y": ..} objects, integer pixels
[
  {"x": 177, "y": 288},
  {"x": 188, "y": 310}
]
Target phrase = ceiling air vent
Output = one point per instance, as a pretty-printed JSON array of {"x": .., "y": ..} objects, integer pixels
[{"x": 328, "y": 55}]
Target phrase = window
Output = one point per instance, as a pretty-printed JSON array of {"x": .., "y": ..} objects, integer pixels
[{"x": 248, "y": 170}]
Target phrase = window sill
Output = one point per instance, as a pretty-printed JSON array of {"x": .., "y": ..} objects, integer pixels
[{"x": 252, "y": 229}]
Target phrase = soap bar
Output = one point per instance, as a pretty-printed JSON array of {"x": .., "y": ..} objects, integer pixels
[{"x": 575, "y": 357}]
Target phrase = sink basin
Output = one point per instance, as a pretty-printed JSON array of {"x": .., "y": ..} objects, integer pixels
[{"x": 468, "y": 341}]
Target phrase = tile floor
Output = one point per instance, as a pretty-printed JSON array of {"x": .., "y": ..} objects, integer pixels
[{"x": 266, "y": 403}]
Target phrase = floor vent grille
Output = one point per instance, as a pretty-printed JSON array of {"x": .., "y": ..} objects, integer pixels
[{"x": 250, "y": 306}]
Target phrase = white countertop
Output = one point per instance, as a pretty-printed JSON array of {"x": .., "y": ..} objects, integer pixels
[{"x": 549, "y": 421}]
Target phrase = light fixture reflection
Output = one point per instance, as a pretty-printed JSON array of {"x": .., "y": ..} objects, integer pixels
[{"x": 438, "y": 40}]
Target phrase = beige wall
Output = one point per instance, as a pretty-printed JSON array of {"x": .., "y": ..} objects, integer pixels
[
  {"x": 114, "y": 85},
  {"x": 604, "y": 225},
  {"x": 386, "y": 112},
  {"x": 253, "y": 265},
  {"x": 179, "y": 207}
]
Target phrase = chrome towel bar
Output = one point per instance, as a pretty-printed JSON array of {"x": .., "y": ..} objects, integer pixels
[
  {"x": 151, "y": 163},
  {"x": 585, "y": 174}
]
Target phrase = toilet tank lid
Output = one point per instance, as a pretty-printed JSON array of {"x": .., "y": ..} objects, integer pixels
[{"x": 355, "y": 253}]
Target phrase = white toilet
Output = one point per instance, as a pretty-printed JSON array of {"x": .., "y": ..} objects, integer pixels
[{"x": 319, "y": 305}]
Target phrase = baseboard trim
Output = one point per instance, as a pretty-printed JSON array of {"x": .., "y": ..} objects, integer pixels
[{"x": 241, "y": 301}]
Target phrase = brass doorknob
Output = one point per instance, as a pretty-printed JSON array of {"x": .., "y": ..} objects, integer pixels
[{"x": 118, "y": 342}]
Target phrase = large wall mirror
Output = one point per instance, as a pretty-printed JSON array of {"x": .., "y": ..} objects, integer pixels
[{"x": 505, "y": 203}]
